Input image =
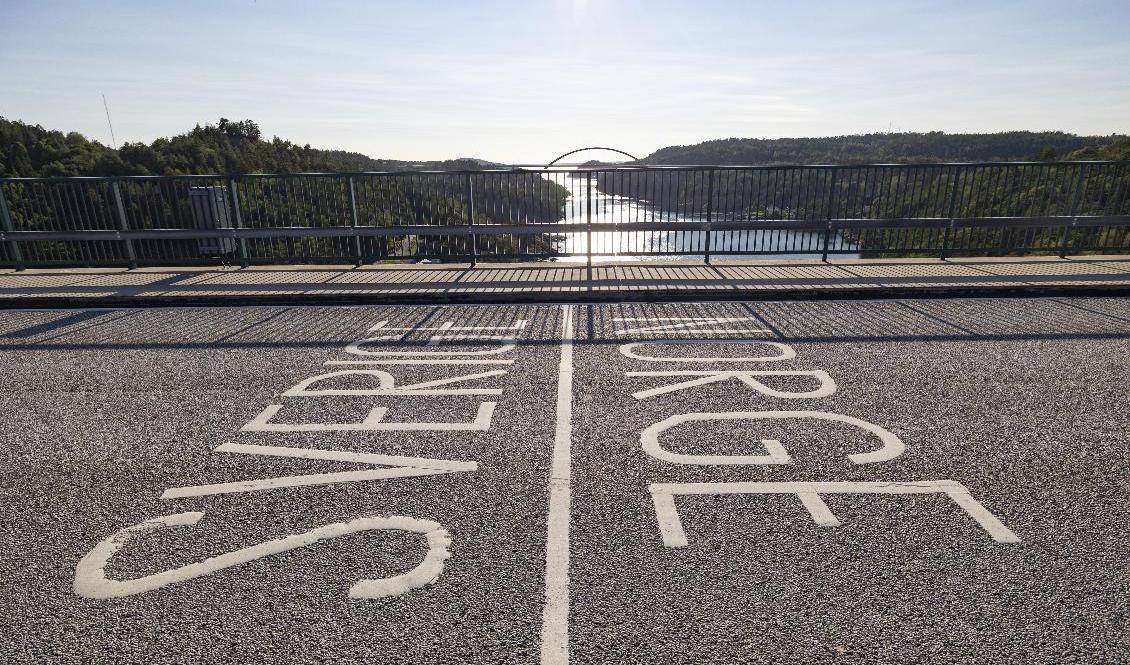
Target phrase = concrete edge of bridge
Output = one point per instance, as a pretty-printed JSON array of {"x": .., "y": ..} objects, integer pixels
[{"x": 578, "y": 297}]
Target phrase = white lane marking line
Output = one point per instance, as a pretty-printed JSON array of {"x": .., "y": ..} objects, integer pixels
[
  {"x": 787, "y": 352},
  {"x": 563, "y": 434},
  {"x": 892, "y": 445},
  {"x": 91, "y": 581},
  {"x": 555, "y": 617},
  {"x": 671, "y": 527}
]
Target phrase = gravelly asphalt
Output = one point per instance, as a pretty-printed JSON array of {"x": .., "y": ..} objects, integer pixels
[{"x": 1024, "y": 402}]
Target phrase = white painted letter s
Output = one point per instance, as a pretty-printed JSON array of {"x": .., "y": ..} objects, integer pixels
[{"x": 91, "y": 580}]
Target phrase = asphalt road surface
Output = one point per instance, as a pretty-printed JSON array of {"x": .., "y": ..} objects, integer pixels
[{"x": 932, "y": 481}]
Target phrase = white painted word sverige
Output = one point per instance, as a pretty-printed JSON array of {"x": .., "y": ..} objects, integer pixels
[
  {"x": 90, "y": 577},
  {"x": 678, "y": 378}
]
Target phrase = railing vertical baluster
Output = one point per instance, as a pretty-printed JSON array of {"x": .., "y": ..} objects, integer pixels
[
  {"x": 951, "y": 213},
  {"x": 1073, "y": 210},
  {"x": 6, "y": 224},
  {"x": 471, "y": 222},
  {"x": 588, "y": 221},
  {"x": 835, "y": 179},
  {"x": 353, "y": 211},
  {"x": 709, "y": 212},
  {"x": 123, "y": 223},
  {"x": 237, "y": 222}
]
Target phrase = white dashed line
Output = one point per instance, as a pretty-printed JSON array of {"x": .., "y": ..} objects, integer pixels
[{"x": 555, "y": 618}]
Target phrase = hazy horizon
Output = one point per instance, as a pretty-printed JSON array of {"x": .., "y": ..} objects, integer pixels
[{"x": 525, "y": 81}]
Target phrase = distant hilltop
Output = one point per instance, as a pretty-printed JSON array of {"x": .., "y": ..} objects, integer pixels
[{"x": 905, "y": 147}]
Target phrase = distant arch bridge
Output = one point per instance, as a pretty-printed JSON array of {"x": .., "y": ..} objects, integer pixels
[{"x": 595, "y": 147}]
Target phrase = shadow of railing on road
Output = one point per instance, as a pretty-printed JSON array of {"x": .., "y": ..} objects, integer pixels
[{"x": 858, "y": 321}]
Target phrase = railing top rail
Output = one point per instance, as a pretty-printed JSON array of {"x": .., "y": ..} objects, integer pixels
[
  {"x": 538, "y": 171},
  {"x": 852, "y": 166}
]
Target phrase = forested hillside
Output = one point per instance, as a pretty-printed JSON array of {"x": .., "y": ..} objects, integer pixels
[
  {"x": 898, "y": 148},
  {"x": 224, "y": 148},
  {"x": 1117, "y": 151},
  {"x": 786, "y": 193},
  {"x": 238, "y": 147}
]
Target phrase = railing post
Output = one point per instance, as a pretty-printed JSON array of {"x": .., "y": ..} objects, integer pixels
[
  {"x": 831, "y": 206},
  {"x": 6, "y": 224},
  {"x": 356, "y": 238},
  {"x": 123, "y": 223},
  {"x": 952, "y": 211},
  {"x": 1073, "y": 209},
  {"x": 709, "y": 213},
  {"x": 588, "y": 221},
  {"x": 237, "y": 222},
  {"x": 471, "y": 222}
]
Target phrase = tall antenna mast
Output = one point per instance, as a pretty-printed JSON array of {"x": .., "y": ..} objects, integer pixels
[{"x": 107, "y": 107}]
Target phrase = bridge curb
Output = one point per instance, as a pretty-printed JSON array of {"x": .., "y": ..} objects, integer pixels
[{"x": 593, "y": 297}]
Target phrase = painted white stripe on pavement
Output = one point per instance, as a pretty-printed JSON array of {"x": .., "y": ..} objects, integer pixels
[{"x": 555, "y": 618}]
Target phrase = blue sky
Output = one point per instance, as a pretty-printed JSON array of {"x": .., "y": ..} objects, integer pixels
[{"x": 527, "y": 80}]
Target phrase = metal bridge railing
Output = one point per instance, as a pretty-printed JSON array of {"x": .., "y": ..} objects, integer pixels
[{"x": 815, "y": 211}]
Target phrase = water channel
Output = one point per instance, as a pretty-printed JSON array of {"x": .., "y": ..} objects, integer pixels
[{"x": 642, "y": 245}]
